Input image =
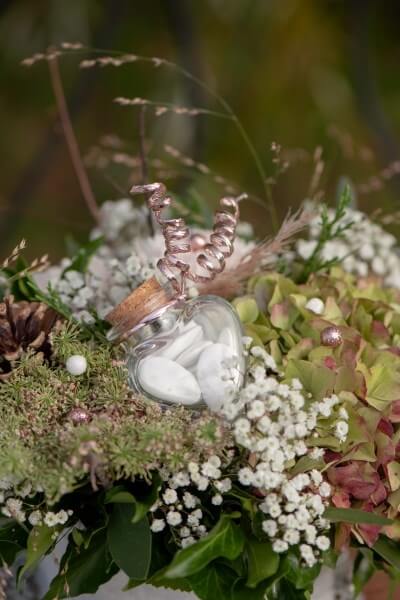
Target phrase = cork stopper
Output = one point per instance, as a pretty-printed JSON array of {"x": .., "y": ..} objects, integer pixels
[{"x": 147, "y": 298}]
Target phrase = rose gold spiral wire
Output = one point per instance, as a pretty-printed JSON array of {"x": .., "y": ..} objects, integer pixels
[{"x": 177, "y": 238}]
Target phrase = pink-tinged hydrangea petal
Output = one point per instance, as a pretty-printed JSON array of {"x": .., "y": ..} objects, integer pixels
[
  {"x": 385, "y": 450},
  {"x": 369, "y": 533},
  {"x": 330, "y": 362},
  {"x": 379, "y": 331},
  {"x": 379, "y": 495},
  {"x": 386, "y": 427},
  {"x": 394, "y": 414},
  {"x": 341, "y": 499},
  {"x": 359, "y": 479}
]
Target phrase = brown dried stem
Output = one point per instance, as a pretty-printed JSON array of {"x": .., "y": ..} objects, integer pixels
[{"x": 70, "y": 138}]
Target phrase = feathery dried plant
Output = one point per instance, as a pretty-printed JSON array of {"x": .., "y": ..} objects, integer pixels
[{"x": 230, "y": 282}]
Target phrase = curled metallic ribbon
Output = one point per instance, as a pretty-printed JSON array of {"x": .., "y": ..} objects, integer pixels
[{"x": 177, "y": 238}]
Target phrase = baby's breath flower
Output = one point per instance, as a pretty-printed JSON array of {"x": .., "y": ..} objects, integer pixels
[
  {"x": 188, "y": 541},
  {"x": 170, "y": 496},
  {"x": 50, "y": 519},
  {"x": 174, "y": 518},
  {"x": 341, "y": 430},
  {"x": 157, "y": 525},
  {"x": 35, "y": 518},
  {"x": 280, "y": 546},
  {"x": 217, "y": 500}
]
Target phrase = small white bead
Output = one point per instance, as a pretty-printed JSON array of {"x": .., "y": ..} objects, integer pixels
[
  {"x": 316, "y": 306},
  {"x": 76, "y": 364}
]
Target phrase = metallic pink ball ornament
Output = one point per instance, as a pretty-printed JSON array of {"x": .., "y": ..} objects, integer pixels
[
  {"x": 197, "y": 242},
  {"x": 79, "y": 416},
  {"x": 331, "y": 336}
]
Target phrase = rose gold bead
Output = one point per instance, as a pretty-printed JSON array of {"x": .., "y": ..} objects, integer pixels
[
  {"x": 331, "y": 336},
  {"x": 197, "y": 242},
  {"x": 78, "y": 416}
]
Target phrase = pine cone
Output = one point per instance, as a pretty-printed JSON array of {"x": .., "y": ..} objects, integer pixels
[{"x": 24, "y": 326}]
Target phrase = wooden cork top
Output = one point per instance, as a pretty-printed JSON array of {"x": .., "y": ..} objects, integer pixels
[{"x": 147, "y": 298}]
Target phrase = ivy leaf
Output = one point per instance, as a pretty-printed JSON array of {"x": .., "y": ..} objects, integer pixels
[
  {"x": 130, "y": 543},
  {"x": 262, "y": 561},
  {"x": 40, "y": 540},
  {"x": 120, "y": 495},
  {"x": 289, "y": 592},
  {"x": 354, "y": 515},
  {"x": 246, "y": 499},
  {"x": 240, "y": 591},
  {"x": 83, "y": 570},
  {"x": 303, "y": 578},
  {"x": 159, "y": 580},
  {"x": 144, "y": 504},
  {"x": 225, "y": 540},
  {"x": 388, "y": 550},
  {"x": 12, "y": 540},
  {"x": 213, "y": 582}
]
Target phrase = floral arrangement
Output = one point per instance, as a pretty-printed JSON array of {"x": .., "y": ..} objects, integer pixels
[{"x": 248, "y": 497}]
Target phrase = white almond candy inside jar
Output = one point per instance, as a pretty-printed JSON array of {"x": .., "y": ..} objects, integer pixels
[{"x": 180, "y": 352}]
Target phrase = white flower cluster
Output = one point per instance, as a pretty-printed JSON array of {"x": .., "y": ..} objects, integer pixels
[
  {"x": 179, "y": 508},
  {"x": 273, "y": 421},
  {"x": 122, "y": 221},
  {"x": 12, "y": 498},
  {"x": 106, "y": 283},
  {"x": 363, "y": 249},
  {"x": 118, "y": 267}
]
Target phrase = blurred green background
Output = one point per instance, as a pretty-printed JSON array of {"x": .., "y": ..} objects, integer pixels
[{"x": 302, "y": 73}]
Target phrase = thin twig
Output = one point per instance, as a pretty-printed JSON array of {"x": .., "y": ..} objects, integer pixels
[
  {"x": 142, "y": 146},
  {"x": 123, "y": 58},
  {"x": 144, "y": 165},
  {"x": 70, "y": 139}
]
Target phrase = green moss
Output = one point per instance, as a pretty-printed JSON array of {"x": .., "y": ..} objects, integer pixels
[{"x": 126, "y": 435}]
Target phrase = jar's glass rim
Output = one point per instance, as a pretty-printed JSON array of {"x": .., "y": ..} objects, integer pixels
[{"x": 119, "y": 333}]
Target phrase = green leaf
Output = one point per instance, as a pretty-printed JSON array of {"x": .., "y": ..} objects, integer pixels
[
  {"x": 144, "y": 504},
  {"x": 213, "y": 582},
  {"x": 82, "y": 257},
  {"x": 247, "y": 309},
  {"x": 246, "y": 500},
  {"x": 388, "y": 550},
  {"x": 83, "y": 570},
  {"x": 287, "y": 591},
  {"x": 12, "y": 540},
  {"x": 119, "y": 495},
  {"x": 383, "y": 386},
  {"x": 40, "y": 540},
  {"x": 262, "y": 561},
  {"x": 240, "y": 591},
  {"x": 159, "y": 580},
  {"x": 302, "y": 577},
  {"x": 130, "y": 543},
  {"x": 225, "y": 540},
  {"x": 363, "y": 570},
  {"x": 316, "y": 379},
  {"x": 354, "y": 515}
]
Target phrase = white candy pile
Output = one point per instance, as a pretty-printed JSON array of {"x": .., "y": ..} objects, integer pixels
[{"x": 192, "y": 366}]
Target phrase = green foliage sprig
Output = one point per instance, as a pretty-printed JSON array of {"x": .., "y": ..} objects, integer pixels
[{"x": 331, "y": 228}]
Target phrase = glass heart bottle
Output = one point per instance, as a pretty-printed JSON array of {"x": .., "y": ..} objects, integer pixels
[{"x": 182, "y": 351}]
